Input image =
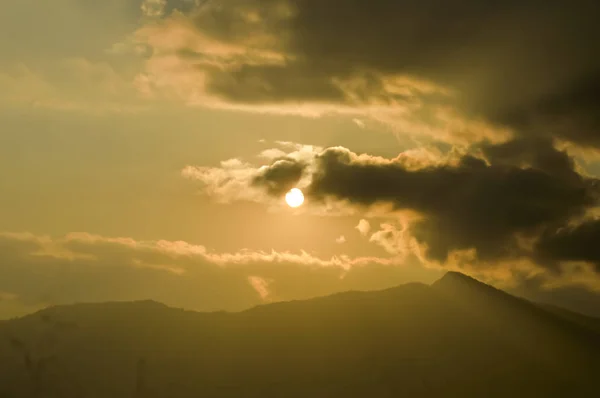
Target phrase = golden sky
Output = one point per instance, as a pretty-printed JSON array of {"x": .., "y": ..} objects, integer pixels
[{"x": 146, "y": 147}]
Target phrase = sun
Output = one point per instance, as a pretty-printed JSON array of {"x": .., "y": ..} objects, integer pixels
[{"x": 294, "y": 198}]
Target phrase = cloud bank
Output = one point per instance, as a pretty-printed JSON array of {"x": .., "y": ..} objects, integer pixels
[{"x": 459, "y": 73}]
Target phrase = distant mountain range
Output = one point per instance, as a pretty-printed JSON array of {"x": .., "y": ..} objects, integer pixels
[{"x": 455, "y": 338}]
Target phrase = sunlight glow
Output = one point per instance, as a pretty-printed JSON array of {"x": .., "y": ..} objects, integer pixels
[{"x": 294, "y": 198}]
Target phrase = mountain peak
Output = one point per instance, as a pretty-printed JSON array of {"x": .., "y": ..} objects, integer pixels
[
  {"x": 454, "y": 281},
  {"x": 453, "y": 277}
]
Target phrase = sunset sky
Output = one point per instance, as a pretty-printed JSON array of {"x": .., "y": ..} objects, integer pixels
[{"x": 146, "y": 147}]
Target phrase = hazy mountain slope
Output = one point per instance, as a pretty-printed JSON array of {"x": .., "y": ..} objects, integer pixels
[
  {"x": 455, "y": 338},
  {"x": 582, "y": 320}
]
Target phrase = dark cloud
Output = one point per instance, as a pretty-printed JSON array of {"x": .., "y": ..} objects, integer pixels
[
  {"x": 531, "y": 64},
  {"x": 572, "y": 243},
  {"x": 272, "y": 84},
  {"x": 280, "y": 176},
  {"x": 572, "y": 115},
  {"x": 502, "y": 56},
  {"x": 538, "y": 153},
  {"x": 470, "y": 204}
]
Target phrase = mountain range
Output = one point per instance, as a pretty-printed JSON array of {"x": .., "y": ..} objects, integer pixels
[{"x": 455, "y": 338}]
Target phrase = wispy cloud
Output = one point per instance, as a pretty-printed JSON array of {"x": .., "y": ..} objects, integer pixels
[
  {"x": 70, "y": 84},
  {"x": 86, "y": 267}
]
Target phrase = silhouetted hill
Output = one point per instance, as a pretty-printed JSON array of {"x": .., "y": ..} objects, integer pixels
[
  {"x": 455, "y": 338},
  {"x": 580, "y": 319}
]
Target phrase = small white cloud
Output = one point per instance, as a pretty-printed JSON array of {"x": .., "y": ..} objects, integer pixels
[
  {"x": 359, "y": 123},
  {"x": 272, "y": 153},
  {"x": 341, "y": 239},
  {"x": 363, "y": 227},
  {"x": 261, "y": 285},
  {"x": 153, "y": 8}
]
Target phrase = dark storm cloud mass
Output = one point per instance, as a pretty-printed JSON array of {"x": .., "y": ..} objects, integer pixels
[
  {"x": 572, "y": 115},
  {"x": 273, "y": 83},
  {"x": 573, "y": 243},
  {"x": 470, "y": 204},
  {"x": 280, "y": 176},
  {"x": 530, "y": 64},
  {"x": 538, "y": 153}
]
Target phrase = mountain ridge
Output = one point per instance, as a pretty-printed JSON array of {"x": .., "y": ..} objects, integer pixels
[
  {"x": 456, "y": 337},
  {"x": 450, "y": 278}
]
